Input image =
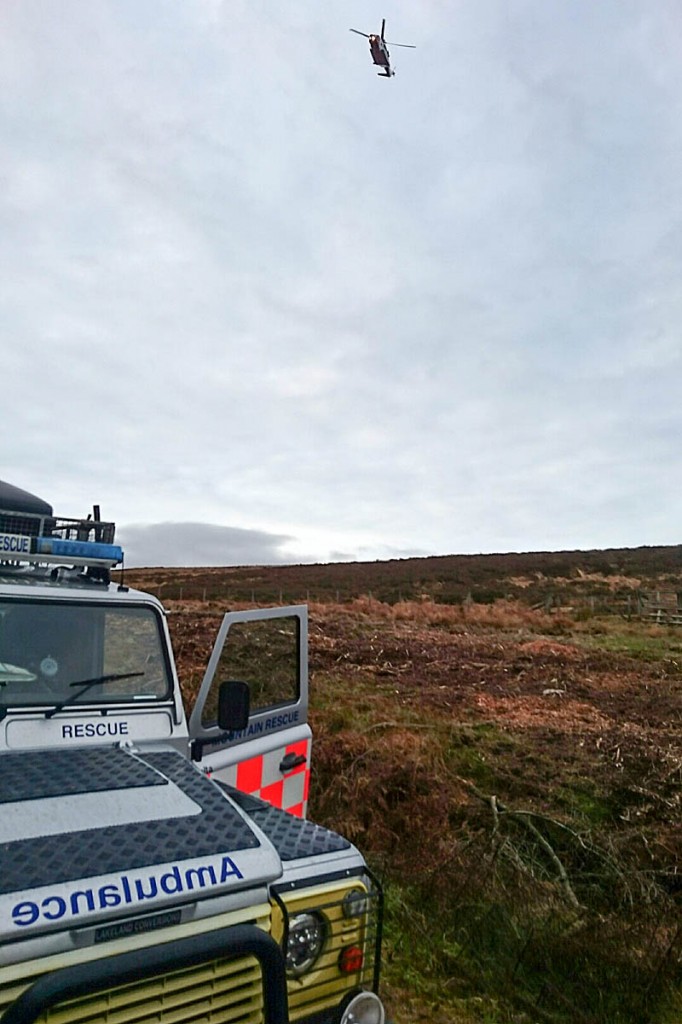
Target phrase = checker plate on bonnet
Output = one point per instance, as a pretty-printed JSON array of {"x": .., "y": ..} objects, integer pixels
[{"x": 31, "y": 863}]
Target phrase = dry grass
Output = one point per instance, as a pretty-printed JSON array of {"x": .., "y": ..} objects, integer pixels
[{"x": 500, "y": 614}]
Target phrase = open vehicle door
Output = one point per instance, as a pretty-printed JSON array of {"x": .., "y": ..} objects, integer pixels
[{"x": 270, "y": 758}]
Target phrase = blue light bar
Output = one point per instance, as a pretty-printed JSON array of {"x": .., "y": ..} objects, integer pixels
[{"x": 78, "y": 549}]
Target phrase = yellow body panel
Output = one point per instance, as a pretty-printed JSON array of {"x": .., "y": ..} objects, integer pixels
[{"x": 325, "y": 984}]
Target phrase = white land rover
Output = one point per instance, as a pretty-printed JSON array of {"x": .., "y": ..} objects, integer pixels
[{"x": 151, "y": 871}]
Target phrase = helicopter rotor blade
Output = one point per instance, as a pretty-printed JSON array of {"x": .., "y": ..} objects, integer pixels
[
  {"x": 405, "y": 46},
  {"x": 383, "y": 26},
  {"x": 358, "y": 33}
]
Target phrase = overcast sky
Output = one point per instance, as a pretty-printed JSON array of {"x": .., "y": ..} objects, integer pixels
[{"x": 296, "y": 312}]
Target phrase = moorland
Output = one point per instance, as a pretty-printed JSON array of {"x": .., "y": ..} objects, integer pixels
[{"x": 502, "y": 736}]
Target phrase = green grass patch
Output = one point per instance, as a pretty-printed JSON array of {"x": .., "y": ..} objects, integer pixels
[
  {"x": 583, "y": 801},
  {"x": 637, "y": 642},
  {"x": 476, "y": 751},
  {"x": 419, "y": 955}
]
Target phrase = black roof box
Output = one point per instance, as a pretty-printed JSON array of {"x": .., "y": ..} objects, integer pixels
[{"x": 13, "y": 499}]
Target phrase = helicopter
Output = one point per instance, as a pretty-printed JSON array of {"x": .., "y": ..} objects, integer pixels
[{"x": 379, "y": 50}]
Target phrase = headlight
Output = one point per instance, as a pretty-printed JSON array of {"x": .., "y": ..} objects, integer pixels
[
  {"x": 365, "y": 1008},
  {"x": 304, "y": 943}
]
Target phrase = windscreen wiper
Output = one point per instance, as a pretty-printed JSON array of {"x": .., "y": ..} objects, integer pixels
[{"x": 86, "y": 684}]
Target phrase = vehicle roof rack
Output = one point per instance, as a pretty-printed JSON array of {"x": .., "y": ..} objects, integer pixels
[{"x": 33, "y": 537}]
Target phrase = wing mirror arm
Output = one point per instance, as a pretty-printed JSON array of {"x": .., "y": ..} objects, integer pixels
[{"x": 234, "y": 707}]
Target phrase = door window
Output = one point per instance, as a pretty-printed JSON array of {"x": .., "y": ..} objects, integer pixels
[{"x": 265, "y": 653}]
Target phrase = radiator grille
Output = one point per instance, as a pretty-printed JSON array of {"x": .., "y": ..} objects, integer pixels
[
  {"x": 222, "y": 991},
  {"x": 215, "y": 992}
]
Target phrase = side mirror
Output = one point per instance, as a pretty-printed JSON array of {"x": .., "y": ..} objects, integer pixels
[{"x": 234, "y": 705}]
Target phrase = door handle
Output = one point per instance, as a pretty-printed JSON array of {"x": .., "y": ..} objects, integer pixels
[{"x": 291, "y": 761}]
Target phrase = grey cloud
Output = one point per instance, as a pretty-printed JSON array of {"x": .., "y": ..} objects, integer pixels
[{"x": 200, "y": 544}]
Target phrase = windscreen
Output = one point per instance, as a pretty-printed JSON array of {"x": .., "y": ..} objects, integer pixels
[{"x": 47, "y": 648}]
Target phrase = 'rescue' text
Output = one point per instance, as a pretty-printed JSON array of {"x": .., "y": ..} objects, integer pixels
[
  {"x": 80, "y": 730},
  {"x": 15, "y": 544}
]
